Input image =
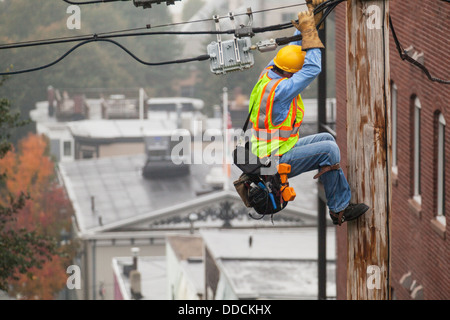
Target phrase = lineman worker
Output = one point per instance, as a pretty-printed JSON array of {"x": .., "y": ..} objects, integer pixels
[{"x": 277, "y": 110}]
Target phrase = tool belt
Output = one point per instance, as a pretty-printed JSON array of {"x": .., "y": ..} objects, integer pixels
[{"x": 266, "y": 194}]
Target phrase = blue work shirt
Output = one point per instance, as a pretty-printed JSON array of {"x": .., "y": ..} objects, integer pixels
[{"x": 288, "y": 89}]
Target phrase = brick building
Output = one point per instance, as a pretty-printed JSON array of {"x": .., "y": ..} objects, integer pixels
[{"x": 420, "y": 244}]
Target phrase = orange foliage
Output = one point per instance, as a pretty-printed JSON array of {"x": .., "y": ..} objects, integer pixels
[
  {"x": 30, "y": 170},
  {"x": 43, "y": 283}
]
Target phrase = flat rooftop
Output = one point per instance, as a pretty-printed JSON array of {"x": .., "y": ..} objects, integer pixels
[
  {"x": 271, "y": 264},
  {"x": 291, "y": 244},
  {"x": 109, "y": 190},
  {"x": 153, "y": 276}
]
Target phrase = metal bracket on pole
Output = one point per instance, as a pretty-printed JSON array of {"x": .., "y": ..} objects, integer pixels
[
  {"x": 236, "y": 45},
  {"x": 219, "y": 41},
  {"x": 245, "y": 31}
]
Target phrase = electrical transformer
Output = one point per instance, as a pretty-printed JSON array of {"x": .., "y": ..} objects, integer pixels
[
  {"x": 234, "y": 54},
  {"x": 230, "y": 55}
]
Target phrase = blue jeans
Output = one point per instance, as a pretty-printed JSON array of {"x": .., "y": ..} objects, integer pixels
[{"x": 313, "y": 152}]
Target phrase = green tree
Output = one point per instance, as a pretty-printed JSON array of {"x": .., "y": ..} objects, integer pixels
[{"x": 95, "y": 65}]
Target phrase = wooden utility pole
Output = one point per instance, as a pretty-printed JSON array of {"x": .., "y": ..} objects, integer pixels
[
  {"x": 369, "y": 148},
  {"x": 322, "y": 215}
]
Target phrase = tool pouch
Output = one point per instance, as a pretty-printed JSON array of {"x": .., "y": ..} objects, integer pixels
[
  {"x": 257, "y": 198},
  {"x": 242, "y": 188}
]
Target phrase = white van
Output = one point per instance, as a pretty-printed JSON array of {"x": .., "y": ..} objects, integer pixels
[{"x": 183, "y": 111}]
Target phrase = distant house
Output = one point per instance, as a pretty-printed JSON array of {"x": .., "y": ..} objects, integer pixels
[
  {"x": 185, "y": 267},
  {"x": 147, "y": 280},
  {"x": 116, "y": 209},
  {"x": 105, "y": 138},
  {"x": 265, "y": 264},
  {"x": 230, "y": 264},
  {"x": 84, "y": 128}
]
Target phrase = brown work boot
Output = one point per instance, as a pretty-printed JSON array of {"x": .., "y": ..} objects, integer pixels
[{"x": 352, "y": 212}]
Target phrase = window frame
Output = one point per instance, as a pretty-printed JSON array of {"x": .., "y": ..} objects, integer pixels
[
  {"x": 69, "y": 148},
  {"x": 394, "y": 109},
  {"x": 440, "y": 178},
  {"x": 417, "y": 146}
]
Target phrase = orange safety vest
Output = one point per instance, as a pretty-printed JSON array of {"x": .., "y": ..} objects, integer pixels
[{"x": 268, "y": 139}]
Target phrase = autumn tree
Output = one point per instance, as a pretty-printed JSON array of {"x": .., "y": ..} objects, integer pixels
[{"x": 33, "y": 211}]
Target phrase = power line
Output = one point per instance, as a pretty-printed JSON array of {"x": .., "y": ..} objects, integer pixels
[
  {"x": 91, "y": 2},
  {"x": 201, "y": 20},
  {"x": 102, "y": 34},
  {"x": 328, "y": 6},
  {"x": 405, "y": 56},
  {"x": 95, "y": 38},
  {"x": 199, "y": 58}
]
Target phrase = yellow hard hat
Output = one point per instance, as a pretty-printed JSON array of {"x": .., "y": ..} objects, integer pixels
[{"x": 290, "y": 58}]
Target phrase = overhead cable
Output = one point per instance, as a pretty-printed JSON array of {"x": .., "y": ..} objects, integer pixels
[
  {"x": 199, "y": 58},
  {"x": 79, "y": 3},
  {"x": 95, "y": 38},
  {"x": 122, "y": 34},
  {"x": 98, "y": 36},
  {"x": 405, "y": 56}
]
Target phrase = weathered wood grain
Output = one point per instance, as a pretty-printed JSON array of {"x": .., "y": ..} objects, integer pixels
[{"x": 368, "y": 148}]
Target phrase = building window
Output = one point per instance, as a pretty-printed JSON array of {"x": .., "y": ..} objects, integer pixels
[
  {"x": 440, "y": 215},
  {"x": 416, "y": 191},
  {"x": 87, "y": 154},
  {"x": 67, "y": 148},
  {"x": 394, "y": 128}
]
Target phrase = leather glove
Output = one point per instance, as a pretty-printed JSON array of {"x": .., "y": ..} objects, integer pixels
[
  {"x": 312, "y": 4},
  {"x": 306, "y": 25}
]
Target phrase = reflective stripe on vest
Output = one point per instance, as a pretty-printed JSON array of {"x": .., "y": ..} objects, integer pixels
[{"x": 267, "y": 138}]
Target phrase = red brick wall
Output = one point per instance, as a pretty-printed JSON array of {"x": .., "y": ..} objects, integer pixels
[{"x": 416, "y": 246}]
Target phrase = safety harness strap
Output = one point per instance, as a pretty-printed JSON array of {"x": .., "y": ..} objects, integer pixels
[
  {"x": 326, "y": 169},
  {"x": 338, "y": 216}
]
